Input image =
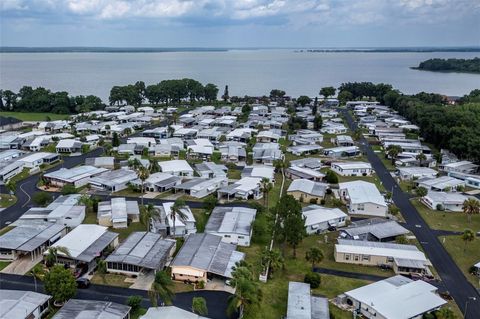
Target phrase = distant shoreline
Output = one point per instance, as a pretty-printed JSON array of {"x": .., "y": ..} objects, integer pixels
[
  {"x": 442, "y": 71},
  {"x": 194, "y": 49}
]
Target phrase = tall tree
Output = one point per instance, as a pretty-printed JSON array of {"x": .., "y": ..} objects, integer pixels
[
  {"x": 143, "y": 174},
  {"x": 421, "y": 158},
  {"x": 225, "y": 95},
  {"x": 266, "y": 187},
  {"x": 51, "y": 257},
  {"x": 317, "y": 122},
  {"x": 211, "y": 92},
  {"x": 304, "y": 100},
  {"x": 162, "y": 288},
  {"x": 177, "y": 211},
  {"x": 115, "y": 140},
  {"x": 146, "y": 214},
  {"x": 468, "y": 236},
  {"x": 315, "y": 107},
  {"x": 314, "y": 255},
  {"x": 393, "y": 151},
  {"x": 247, "y": 291},
  {"x": 471, "y": 207},
  {"x": 327, "y": 91},
  {"x": 199, "y": 306},
  {"x": 60, "y": 283}
]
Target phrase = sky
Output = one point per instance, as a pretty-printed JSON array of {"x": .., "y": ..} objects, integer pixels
[{"x": 240, "y": 23}]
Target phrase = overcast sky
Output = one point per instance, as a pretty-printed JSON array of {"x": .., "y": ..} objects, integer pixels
[{"x": 240, "y": 23}]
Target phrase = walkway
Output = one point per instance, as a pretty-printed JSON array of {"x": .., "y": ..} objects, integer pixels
[{"x": 22, "y": 265}]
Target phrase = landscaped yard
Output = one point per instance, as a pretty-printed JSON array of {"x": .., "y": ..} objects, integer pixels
[
  {"x": 447, "y": 220},
  {"x": 125, "y": 232},
  {"x": 24, "y": 174},
  {"x": 110, "y": 280},
  {"x": 464, "y": 255},
  {"x": 7, "y": 200},
  {"x": 4, "y": 264},
  {"x": 201, "y": 218},
  {"x": 27, "y": 116},
  {"x": 234, "y": 173}
]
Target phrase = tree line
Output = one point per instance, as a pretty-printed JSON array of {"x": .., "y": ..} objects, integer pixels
[
  {"x": 445, "y": 126},
  {"x": 450, "y": 65}
]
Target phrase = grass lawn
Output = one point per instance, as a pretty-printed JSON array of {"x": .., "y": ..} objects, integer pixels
[
  {"x": 464, "y": 259},
  {"x": 125, "y": 232},
  {"x": 201, "y": 218},
  {"x": 137, "y": 313},
  {"x": 6, "y": 229},
  {"x": 181, "y": 287},
  {"x": 7, "y": 200},
  {"x": 90, "y": 218},
  {"x": 110, "y": 280},
  {"x": 447, "y": 220},
  {"x": 387, "y": 162},
  {"x": 4, "y": 264},
  {"x": 234, "y": 173},
  {"x": 24, "y": 174},
  {"x": 127, "y": 192},
  {"x": 27, "y": 116}
]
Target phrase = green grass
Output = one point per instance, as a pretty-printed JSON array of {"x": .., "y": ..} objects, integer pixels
[
  {"x": 90, "y": 218},
  {"x": 123, "y": 233},
  {"x": 447, "y": 220},
  {"x": 127, "y": 192},
  {"x": 4, "y": 264},
  {"x": 21, "y": 176},
  {"x": 201, "y": 218},
  {"x": 27, "y": 116},
  {"x": 6, "y": 229},
  {"x": 139, "y": 312},
  {"x": 234, "y": 174},
  {"x": 110, "y": 280},
  {"x": 179, "y": 287},
  {"x": 465, "y": 256},
  {"x": 7, "y": 200}
]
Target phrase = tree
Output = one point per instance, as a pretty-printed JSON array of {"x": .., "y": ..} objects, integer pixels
[
  {"x": 315, "y": 107},
  {"x": 314, "y": 255},
  {"x": 199, "y": 306},
  {"x": 87, "y": 202},
  {"x": 60, "y": 283},
  {"x": 247, "y": 292},
  {"x": 11, "y": 186},
  {"x": 51, "y": 257},
  {"x": 115, "y": 139},
  {"x": 331, "y": 177},
  {"x": 68, "y": 189},
  {"x": 327, "y": 91},
  {"x": 154, "y": 167},
  {"x": 146, "y": 213},
  {"x": 393, "y": 151},
  {"x": 402, "y": 240},
  {"x": 266, "y": 187},
  {"x": 393, "y": 210},
  {"x": 344, "y": 96},
  {"x": 41, "y": 198},
  {"x": 177, "y": 211},
  {"x": 210, "y": 202},
  {"x": 304, "y": 100},
  {"x": 162, "y": 288},
  {"x": 317, "y": 122},
  {"x": 225, "y": 95},
  {"x": 421, "y": 158},
  {"x": 143, "y": 174},
  {"x": 211, "y": 92},
  {"x": 277, "y": 94},
  {"x": 471, "y": 207},
  {"x": 421, "y": 191},
  {"x": 445, "y": 313},
  {"x": 313, "y": 279},
  {"x": 467, "y": 237},
  {"x": 290, "y": 222},
  {"x": 272, "y": 259},
  {"x": 134, "y": 302}
]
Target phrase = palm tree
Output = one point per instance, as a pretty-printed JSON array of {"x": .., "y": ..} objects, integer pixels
[
  {"x": 175, "y": 211},
  {"x": 272, "y": 259},
  {"x": 421, "y": 158},
  {"x": 266, "y": 187},
  {"x": 162, "y": 288},
  {"x": 154, "y": 167},
  {"x": 471, "y": 207},
  {"x": 247, "y": 291},
  {"x": 11, "y": 186},
  {"x": 146, "y": 213},
  {"x": 143, "y": 174},
  {"x": 52, "y": 257},
  {"x": 314, "y": 255},
  {"x": 86, "y": 201},
  {"x": 37, "y": 272},
  {"x": 467, "y": 236},
  {"x": 393, "y": 151}
]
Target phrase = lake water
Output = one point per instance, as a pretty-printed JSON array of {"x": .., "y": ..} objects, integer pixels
[{"x": 252, "y": 72}]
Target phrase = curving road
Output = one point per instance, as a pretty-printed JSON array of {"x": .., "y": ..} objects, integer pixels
[{"x": 454, "y": 280}]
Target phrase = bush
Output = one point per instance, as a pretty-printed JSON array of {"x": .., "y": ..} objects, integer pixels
[
  {"x": 134, "y": 302},
  {"x": 322, "y": 202},
  {"x": 201, "y": 284},
  {"x": 41, "y": 198},
  {"x": 313, "y": 200},
  {"x": 199, "y": 306},
  {"x": 68, "y": 189},
  {"x": 439, "y": 207},
  {"x": 331, "y": 177},
  {"x": 313, "y": 279}
]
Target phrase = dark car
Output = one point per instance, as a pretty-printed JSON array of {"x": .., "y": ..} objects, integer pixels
[
  {"x": 83, "y": 283},
  {"x": 80, "y": 270}
]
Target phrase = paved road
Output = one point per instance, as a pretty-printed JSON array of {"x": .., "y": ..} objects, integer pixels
[
  {"x": 454, "y": 280},
  {"x": 216, "y": 300}
]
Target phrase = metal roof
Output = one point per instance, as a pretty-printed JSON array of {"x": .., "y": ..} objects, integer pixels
[
  {"x": 19, "y": 304},
  {"x": 236, "y": 220},
  {"x": 29, "y": 238},
  {"x": 207, "y": 252},
  {"x": 301, "y": 305},
  {"x": 92, "y": 309},
  {"x": 380, "y": 228},
  {"x": 308, "y": 187},
  {"x": 143, "y": 249}
]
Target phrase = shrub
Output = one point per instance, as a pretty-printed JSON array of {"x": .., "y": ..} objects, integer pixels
[
  {"x": 41, "y": 198},
  {"x": 199, "y": 306},
  {"x": 60, "y": 283},
  {"x": 313, "y": 279},
  {"x": 134, "y": 302},
  {"x": 201, "y": 284},
  {"x": 322, "y": 202},
  {"x": 313, "y": 200},
  {"x": 68, "y": 189},
  {"x": 331, "y": 177}
]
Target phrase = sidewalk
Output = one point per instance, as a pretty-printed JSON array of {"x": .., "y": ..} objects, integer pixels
[{"x": 21, "y": 266}]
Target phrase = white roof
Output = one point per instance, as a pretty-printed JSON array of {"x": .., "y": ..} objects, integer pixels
[
  {"x": 175, "y": 166},
  {"x": 308, "y": 187},
  {"x": 67, "y": 143},
  {"x": 263, "y": 171},
  {"x": 353, "y": 165},
  {"x": 35, "y": 157},
  {"x": 414, "y": 170},
  {"x": 169, "y": 312},
  {"x": 248, "y": 183},
  {"x": 178, "y": 221},
  {"x": 321, "y": 214},
  {"x": 363, "y": 192},
  {"x": 446, "y": 198},
  {"x": 308, "y": 171},
  {"x": 80, "y": 238},
  {"x": 141, "y": 140},
  {"x": 76, "y": 173},
  {"x": 398, "y": 297}
]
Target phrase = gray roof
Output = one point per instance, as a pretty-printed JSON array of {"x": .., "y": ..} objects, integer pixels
[
  {"x": 236, "y": 220},
  {"x": 301, "y": 305},
  {"x": 99, "y": 245},
  {"x": 19, "y": 304},
  {"x": 147, "y": 250},
  {"x": 207, "y": 252},
  {"x": 29, "y": 238},
  {"x": 380, "y": 228},
  {"x": 308, "y": 187},
  {"x": 92, "y": 309}
]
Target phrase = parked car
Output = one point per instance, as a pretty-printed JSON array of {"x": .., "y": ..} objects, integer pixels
[
  {"x": 83, "y": 283},
  {"x": 80, "y": 271}
]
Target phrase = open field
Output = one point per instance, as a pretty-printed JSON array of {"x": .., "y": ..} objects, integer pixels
[
  {"x": 447, "y": 220},
  {"x": 110, "y": 280},
  {"x": 465, "y": 256},
  {"x": 27, "y": 116}
]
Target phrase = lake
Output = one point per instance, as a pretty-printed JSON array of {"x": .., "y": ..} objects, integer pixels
[{"x": 252, "y": 72}]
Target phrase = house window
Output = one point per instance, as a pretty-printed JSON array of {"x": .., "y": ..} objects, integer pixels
[
  {"x": 227, "y": 236},
  {"x": 361, "y": 207},
  {"x": 390, "y": 259},
  {"x": 241, "y": 237},
  {"x": 356, "y": 257},
  {"x": 366, "y": 257},
  {"x": 347, "y": 256}
]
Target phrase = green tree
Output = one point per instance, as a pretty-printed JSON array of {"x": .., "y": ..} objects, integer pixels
[
  {"x": 344, "y": 96},
  {"x": 393, "y": 151},
  {"x": 146, "y": 213},
  {"x": 211, "y": 92},
  {"x": 11, "y": 186},
  {"x": 154, "y": 167},
  {"x": 266, "y": 186},
  {"x": 134, "y": 302},
  {"x": 115, "y": 139},
  {"x": 467, "y": 237},
  {"x": 51, "y": 257},
  {"x": 68, "y": 189},
  {"x": 314, "y": 255},
  {"x": 272, "y": 259},
  {"x": 225, "y": 95},
  {"x": 327, "y": 91},
  {"x": 60, "y": 283},
  {"x": 247, "y": 292},
  {"x": 393, "y": 210},
  {"x": 162, "y": 288},
  {"x": 41, "y": 198},
  {"x": 317, "y": 122},
  {"x": 177, "y": 211},
  {"x": 143, "y": 174},
  {"x": 304, "y": 100},
  {"x": 331, "y": 177},
  {"x": 421, "y": 158},
  {"x": 421, "y": 191},
  {"x": 199, "y": 306},
  {"x": 313, "y": 279},
  {"x": 471, "y": 207},
  {"x": 210, "y": 202},
  {"x": 315, "y": 106},
  {"x": 445, "y": 313}
]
